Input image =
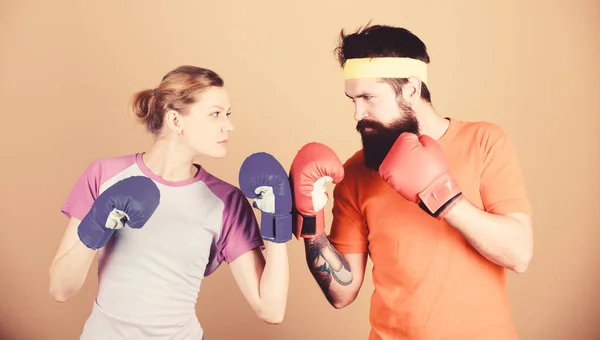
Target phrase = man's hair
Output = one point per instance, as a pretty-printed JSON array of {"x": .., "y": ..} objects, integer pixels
[{"x": 380, "y": 41}]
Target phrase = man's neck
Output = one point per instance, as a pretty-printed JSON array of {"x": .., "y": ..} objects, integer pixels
[
  {"x": 431, "y": 123},
  {"x": 166, "y": 160}
]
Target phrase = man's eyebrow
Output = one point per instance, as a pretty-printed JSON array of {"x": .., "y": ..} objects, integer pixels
[{"x": 359, "y": 96}]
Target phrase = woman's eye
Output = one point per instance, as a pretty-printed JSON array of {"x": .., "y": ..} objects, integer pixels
[{"x": 216, "y": 114}]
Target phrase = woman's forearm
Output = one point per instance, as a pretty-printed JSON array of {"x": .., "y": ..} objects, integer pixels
[
  {"x": 69, "y": 271},
  {"x": 274, "y": 283}
]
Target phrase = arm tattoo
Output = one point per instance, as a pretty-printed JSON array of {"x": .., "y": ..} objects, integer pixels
[{"x": 327, "y": 264}]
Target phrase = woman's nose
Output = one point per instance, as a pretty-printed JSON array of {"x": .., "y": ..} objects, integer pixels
[{"x": 228, "y": 126}]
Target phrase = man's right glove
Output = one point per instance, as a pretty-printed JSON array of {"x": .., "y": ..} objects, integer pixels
[
  {"x": 415, "y": 167},
  {"x": 314, "y": 165}
]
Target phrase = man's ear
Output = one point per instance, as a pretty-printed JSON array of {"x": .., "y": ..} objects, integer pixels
[{"x": 411, "y": 90}]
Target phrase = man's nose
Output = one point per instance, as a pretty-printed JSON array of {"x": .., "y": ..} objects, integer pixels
[{"x": 359, "y": 111}]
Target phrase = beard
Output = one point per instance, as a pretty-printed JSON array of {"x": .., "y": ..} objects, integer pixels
[{"x": 378, "y": 141}]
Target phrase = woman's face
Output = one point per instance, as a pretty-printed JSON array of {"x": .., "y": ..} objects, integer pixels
[{"x": 206, "y": 127}]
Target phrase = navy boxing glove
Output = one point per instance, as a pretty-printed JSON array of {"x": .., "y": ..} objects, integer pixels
[
  {"x": 131, "y": 202},
  {"x": 264, "y": 180}
]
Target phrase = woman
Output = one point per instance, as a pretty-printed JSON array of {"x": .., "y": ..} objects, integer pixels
[{"x": 161, "y": 223}]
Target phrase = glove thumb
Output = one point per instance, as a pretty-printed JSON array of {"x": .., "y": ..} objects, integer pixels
[
  {"x": 408, "y": 141},
  {"x": 431, "y": 144}
]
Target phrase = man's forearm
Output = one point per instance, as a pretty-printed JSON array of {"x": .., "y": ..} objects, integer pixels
[
  {"x": 505, "y": 240},
  {"x": 329, "y": 268}
]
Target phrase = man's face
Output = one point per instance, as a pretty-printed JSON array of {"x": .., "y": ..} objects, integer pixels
[{"x": 382, "y": 116}]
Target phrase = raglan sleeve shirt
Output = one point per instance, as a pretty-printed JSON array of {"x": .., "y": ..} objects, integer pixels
[{"x": 241, "y": 232}]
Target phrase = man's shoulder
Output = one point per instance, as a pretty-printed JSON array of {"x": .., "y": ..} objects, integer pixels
[
  {"x": 355, "y": 170},
  {"x": 483, "y": 129},
  {"x": 355, "y": 164}
]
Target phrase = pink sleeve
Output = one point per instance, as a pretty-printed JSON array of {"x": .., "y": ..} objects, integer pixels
[
  {"x": 241, "y": 232},
  {"x": 84, "y": 193}
]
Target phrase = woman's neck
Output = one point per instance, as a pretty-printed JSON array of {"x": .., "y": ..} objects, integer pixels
[{"x": 166, "y": 160}]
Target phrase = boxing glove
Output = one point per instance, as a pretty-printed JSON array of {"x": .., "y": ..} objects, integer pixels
[
  {"x": 416, "y": 169},
  {"x": 129, "y": 202},
  {"x": 314, "y": 166},
  {"x": 264, "y": 180}
]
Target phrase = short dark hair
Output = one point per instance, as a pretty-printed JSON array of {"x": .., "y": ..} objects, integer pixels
[{"x": 380, "y": 41}]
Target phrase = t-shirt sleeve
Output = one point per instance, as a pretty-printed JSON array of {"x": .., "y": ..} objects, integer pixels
[
  {"x": 241, "y": 232},
  {"x": 349, "y": 231},
  {"x": 503, "y": 188},
  {"x": 83, "y": 193}
]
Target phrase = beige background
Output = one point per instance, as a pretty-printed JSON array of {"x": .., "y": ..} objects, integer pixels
[{"x": 68, "y": 70}]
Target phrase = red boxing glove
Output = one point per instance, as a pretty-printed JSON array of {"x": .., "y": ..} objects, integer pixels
[
  {"x": 416, "y": 169},
  {"x": 314, "y": 166}
]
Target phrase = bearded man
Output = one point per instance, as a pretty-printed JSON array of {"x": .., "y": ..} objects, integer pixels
[{"x": 438, "y": 204}]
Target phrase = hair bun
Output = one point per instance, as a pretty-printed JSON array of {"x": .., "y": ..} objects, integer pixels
[{"x": 142, "y": 104}]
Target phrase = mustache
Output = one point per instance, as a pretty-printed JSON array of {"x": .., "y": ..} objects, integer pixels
[{"x": 365, "y": 124}]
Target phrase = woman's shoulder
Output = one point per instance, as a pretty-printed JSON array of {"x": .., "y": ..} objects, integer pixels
[
  {"x": 102, "y": 169},
  {"x": 122, "y": 161},
  {"x": 227, "y": 191}
]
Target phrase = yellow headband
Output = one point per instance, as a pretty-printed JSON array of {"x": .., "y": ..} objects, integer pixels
[{"x": 385, "y": 68}]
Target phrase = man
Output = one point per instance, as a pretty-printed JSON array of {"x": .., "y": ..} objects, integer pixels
[{"x": 438, "y": 204}]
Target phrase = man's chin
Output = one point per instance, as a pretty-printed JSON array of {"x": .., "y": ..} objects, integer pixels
[
  {"x": 375, "y": 153},
  {"x": 377, "y": 140}
]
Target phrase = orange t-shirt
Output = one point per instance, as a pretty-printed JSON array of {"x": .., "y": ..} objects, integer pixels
[{"x": 430, "y": 284}]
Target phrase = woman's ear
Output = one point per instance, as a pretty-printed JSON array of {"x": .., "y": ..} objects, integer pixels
[{"x": 173, "y": 121}]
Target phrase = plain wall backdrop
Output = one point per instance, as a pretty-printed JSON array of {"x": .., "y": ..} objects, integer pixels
[{"x": 68, "y": 70}]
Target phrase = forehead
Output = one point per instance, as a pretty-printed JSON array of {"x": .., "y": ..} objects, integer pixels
[
  {"x": 356, "y": 87},
  {"x": 214, "y": 96}
]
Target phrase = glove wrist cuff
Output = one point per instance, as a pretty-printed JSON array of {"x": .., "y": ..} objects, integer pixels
[
  {"x": 93, "y": 235},
  {"x": 439, "y": 197},
  {"x": 309, "y": 226},
  {"x": 276, "y": 228}
]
